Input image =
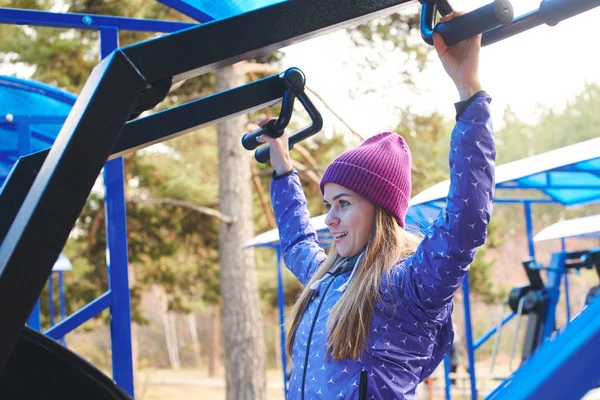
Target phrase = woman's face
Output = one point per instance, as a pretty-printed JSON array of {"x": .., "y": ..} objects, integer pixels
[{"x": 350, "y": 218}]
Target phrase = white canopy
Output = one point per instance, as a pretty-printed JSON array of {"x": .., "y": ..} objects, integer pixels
[
  {"x": 580, "y": 227},
  {"x": 62, "y": 264}
]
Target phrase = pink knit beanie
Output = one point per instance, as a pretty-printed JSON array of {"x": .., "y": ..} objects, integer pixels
[{"x": 379, "y": 170}]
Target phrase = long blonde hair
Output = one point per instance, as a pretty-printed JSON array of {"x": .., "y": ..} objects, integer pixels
[{"x": 349, "y": 322}]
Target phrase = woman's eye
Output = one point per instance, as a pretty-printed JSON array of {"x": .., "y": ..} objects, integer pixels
[
  {"x": 327, "y": 206},
  {"x": 344, "y": 203}
]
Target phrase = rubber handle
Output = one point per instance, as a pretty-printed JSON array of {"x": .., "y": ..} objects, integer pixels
[
  {"x": 263, "y": 154},
  {"x": 500, "y": 12},
  {"x": 249, "y": 139}
]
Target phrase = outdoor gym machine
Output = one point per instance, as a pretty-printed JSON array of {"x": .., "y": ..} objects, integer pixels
[
  {"x": 40, "y": 203},
  {"x": 538, "y": 300}
]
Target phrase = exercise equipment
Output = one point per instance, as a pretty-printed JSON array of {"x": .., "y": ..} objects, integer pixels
[
  {"x": 294, "y": 81},
  {"x": 40, "y": 204}
]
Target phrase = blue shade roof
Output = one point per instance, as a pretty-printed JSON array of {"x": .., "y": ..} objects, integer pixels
[
  {"x": 28, "y": 106},
  {"x": 586, "y": 227},
  {"x": 569, "y": 176},
  {"x": 209, "y": 10}
]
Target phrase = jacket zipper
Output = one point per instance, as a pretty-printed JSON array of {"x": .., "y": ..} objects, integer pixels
[
  {"x": 362, "y": 386},
  {"x": 310, "y": 333}
]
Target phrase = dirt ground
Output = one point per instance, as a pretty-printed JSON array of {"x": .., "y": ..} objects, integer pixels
[{"x": 194, "y": 384}]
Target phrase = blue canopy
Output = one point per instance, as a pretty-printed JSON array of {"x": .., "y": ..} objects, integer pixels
[
  {"x": 32, "y": 115},
  {"x": 568, "y": 176},
  {"x": 209, "y": 10}
]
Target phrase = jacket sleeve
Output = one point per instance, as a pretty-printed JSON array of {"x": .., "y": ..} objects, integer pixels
[
  {"x": 431, "y": 276},
  {"x": 299, "y": 243}
]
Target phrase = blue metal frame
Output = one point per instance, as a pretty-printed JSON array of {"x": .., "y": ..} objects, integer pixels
[
  {"x": 281, "y": 305},
  {"x": 469, "y": 337},
  {"x": 188, "y": 10},
  {"x": 116, "y": 242},
  {"x": 87, "y": 21},
  {"x": 571, "y": 357},
  {"x": 118, "y": 296}
]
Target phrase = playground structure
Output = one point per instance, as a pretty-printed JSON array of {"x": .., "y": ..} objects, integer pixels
[{"x": 101, "y": 127}]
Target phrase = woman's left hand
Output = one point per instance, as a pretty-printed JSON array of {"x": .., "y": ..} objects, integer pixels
[{"x": 461, "y": 61}]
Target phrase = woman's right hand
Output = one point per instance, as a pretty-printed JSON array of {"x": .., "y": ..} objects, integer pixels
[{"x": 279, "y": 151}]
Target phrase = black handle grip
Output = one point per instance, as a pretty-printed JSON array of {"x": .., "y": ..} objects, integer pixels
[
  {"x": 500, "y": 12},
  {"x": 249, "y": 139},
  {"x": 262, "y": 155}
]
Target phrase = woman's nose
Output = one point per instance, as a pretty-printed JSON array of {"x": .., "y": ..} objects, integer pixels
[{"x": 331, "y": 219}]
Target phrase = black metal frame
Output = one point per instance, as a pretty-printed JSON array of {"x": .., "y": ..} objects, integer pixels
[{"x": 49, "y": 209}]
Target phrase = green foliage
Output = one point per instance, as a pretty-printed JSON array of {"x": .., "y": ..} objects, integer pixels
[
  {"x": 393, "y": 32},
  {"x": 480, "y": 275},
  {"x": 428, "y": 137}
]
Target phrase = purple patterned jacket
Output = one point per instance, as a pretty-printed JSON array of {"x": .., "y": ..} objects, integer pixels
[{"x": 411, "y": 328}]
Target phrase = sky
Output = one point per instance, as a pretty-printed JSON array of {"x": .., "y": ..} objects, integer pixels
[{"x": 545, "y": 66}]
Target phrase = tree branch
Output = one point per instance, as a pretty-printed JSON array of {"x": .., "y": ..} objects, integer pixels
[
  {"x": 355, "y": 133},
  {"x": 310, "y": 174},
  {"x": 262, "y": 196},
  {"x": 256, "y": 68},
  {"x": 307, "y": 157},
  {"x": 182, "y": 203}
]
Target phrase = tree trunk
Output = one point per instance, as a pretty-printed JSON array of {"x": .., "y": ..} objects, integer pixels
[
  {"x": 242, "y": 328},
  {"x": 215, "y": 346}
]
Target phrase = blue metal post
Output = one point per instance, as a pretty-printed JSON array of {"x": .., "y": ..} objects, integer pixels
[
  {"x": 61, "y": 294},
  {"x": 281, "y": 302},
  {"x": 447, "y": 376},
  {"x": 51, "y": 299},
  {"x": 492, "y": 331},
  {"x": 34, "y": 319},
  {"x": 116, "y": 240},
  {"x": 529, "y": 227},
  {"x": 567, "y": 297},
  {"x": 469, "y": 337},
  {"x": 553, "y": 281},
  {"x": 61, "y": 303}
]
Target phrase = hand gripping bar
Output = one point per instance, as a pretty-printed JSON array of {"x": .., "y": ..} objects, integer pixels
[
  {"x": 481, "y": 20},
  {"x": 294, "y": 81}
]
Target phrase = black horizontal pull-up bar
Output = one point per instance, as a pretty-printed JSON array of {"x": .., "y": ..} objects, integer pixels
[{"x": 550, "y": 12}]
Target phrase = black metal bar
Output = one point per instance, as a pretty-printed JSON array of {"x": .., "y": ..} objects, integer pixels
[
  {"x": 144, "y": 132},
  {"x": 60, "y": 190},
  {"x": 550, "y": 13},
  {"x": 194, "y": 51},
  {"x": 16, "y": 187},
  {"x": 481, "y": 20},
  {"x": 194, "y": 115}
]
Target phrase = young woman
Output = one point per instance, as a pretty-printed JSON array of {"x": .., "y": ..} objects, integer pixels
[{"x": 374, "y": 317}]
